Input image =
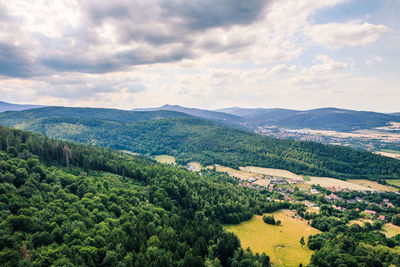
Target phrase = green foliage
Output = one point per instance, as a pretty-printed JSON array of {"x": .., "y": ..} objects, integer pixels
[
  {"x": 396, "y": 220},
  {"x": 191, "y": 139},
  {"x": 269, "y": 219},
  {"x": 111, "y": 209}
]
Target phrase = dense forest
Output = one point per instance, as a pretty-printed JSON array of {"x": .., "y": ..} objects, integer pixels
[
  {"x": 67, "y": 204},
  {"x": 193, "y": 139}
]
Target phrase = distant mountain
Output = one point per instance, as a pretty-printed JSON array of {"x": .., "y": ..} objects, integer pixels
[
  {"x": 322, "y": 118},
  {"x": 188, "y": 138},
  {"x": 229, "y": 119},
  {"x": 395, "y": 114},
  {"x": 4, "y": 106}
]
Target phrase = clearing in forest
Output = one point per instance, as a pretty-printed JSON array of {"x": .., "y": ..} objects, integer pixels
[
  {"x": 280, "y": 243},
  {"x": 243, "y": 175},
  {"x": 390, "y": 230},
  {"x": 165, "y": 159},
  {"x": 194, "y": 166},
  {"x": 272, "y": 172},
  {"x": 373, "y": 185}
]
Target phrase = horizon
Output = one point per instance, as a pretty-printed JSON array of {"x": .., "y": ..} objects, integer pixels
[
  {"x": 211, "y": 55},
  {"x": 190, "y": 107}
]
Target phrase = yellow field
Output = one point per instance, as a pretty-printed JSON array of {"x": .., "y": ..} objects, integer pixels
[
  {"x": 329, "y": 182},
  {"x": 373, "y": 185},
  {"x": 272, "y": 172},
  {"x": 262, "y": 182},
  {"x": 360, "y": 222},
  {"x": 390, "y": 230},
  {"x": 388, "y": 154},
  {"x": 165, "y": 159},
  {"x": 243, "y": 175},
  {"x": 195, "y": 166},
  {"x": 280, "y": 243},
  {"x": 129, "y": 152}
]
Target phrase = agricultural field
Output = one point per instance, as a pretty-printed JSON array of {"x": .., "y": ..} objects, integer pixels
[
  {"x": 373, "y": 185},
  {"x": 395, "y": 182},
  {"x": 390, "y": 230},
  {"x": 262, "y": 182},
  {"x": 165, "y": 159},
  {"x": 194, "y": 166},
  {"x": 272, "y": 172},
  {"x": 360, "y": 222},
  {"x": 330, "y": 182},
  {"x": 389, "y": 153},
  {"x": 243, "y": 175},
  {"x": 281, "y": 243},
  {"x": 129, "y": 152}
]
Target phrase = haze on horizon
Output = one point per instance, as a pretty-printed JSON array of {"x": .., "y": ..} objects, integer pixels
[{"x": 297, "y": 54}]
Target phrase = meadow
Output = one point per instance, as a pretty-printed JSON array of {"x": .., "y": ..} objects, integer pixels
[
  {"x": 195, "y": 166},
  {"x": 272, "y": 172},
  {"x": 390, "y": 230},
  {"x": 373, "y": 185},
  {"x": 281, "y": 243},
  {"x": 165, "y": 159},
  {"x": 330, "y": 182}
]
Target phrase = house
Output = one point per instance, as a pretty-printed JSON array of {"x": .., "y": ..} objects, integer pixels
[
  {"x": 314, "y": 191},
  {"x": 370, "y": 212},
  {"x": 309, "y": 203},
  {"x": 351, "y": 201},
  {"x": 359, "y": 199},
  {"x": 382, "y": 217}
]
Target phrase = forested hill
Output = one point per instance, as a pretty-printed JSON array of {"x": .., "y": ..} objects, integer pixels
[
  {"x": 67, "y": 204},
  {"x": 4, "y": 106},
  {"x": 322, "y": 118},
  {"x": 193, "y": 139}
]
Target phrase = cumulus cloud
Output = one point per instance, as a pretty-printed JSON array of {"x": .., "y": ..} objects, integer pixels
[{"x": 337, "y": 35}]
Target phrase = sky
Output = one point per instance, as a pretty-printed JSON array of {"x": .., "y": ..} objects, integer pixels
[{"x": 125, "y": 54}]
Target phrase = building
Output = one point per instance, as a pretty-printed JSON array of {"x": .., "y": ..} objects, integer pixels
[{"x": 370, "y": 212}]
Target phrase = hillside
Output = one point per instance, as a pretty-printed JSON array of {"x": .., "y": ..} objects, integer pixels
[
  {"x": 193, "y": 139},
  {"x": 221, "y": 117},
  {"x": 4, "y": 106},
  {"x": 322, "y": 119},
  {"x": 66, "y": 204}
]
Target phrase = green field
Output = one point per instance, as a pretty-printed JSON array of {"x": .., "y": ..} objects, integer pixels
[
  {"x": 395, "y": 182},
  {"x": 280, "y": 243},
  {"x": 165, "y": 159},
  {"x": 390, "y": 230}
]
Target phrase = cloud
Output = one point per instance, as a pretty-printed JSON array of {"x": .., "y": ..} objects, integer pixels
[
  {"x": 353, "y": 33},
  {"x": 322, "y": 75},
  {"x": 281, "y": 68}
]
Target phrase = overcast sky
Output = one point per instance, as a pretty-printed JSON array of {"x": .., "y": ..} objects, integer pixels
[{"x": 212, "y": 54}]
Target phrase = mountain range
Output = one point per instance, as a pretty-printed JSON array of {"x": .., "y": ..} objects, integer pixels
[
  {"x": 4, "y": 106},
  {"x": 190, "y": 138},
  {"x": 320, "y": 119}
]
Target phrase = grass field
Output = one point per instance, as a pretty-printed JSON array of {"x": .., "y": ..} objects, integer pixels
[
  {"x": 280, "y": 243},
  {"x": 395, "y": 182},
  {"x": 165, "y": 159},
  {"x": 129, "y": 152},
  {"x": 373, "y": 185},
  {"x": 360, "y": 222},
  {"x": 329, "y": 182},
  {"x": 272, "y": 172},
  {"x": 195, "y": 166},
  {"x": 390, "y": 230},
  {"x": 243, "y": 175}
]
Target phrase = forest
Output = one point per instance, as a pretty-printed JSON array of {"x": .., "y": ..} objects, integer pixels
[
  {"x": 192, "y": 139},
  {"x": 67, "y": 204}
]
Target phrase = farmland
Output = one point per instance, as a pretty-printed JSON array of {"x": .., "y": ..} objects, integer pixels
[
  {"x": 331, "y": 182},
  {"x": 165, "y": 159},
  {"x": 281, "y": 243},
  {"x": 390, "y": 230},
  {"x": 243, "y": 175},
  {"x": 395, "y": 182},
  {"x": 272, "y": 172},
  {"x": 194, "y": 166},
  {"x": 373, "y": 185}
]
